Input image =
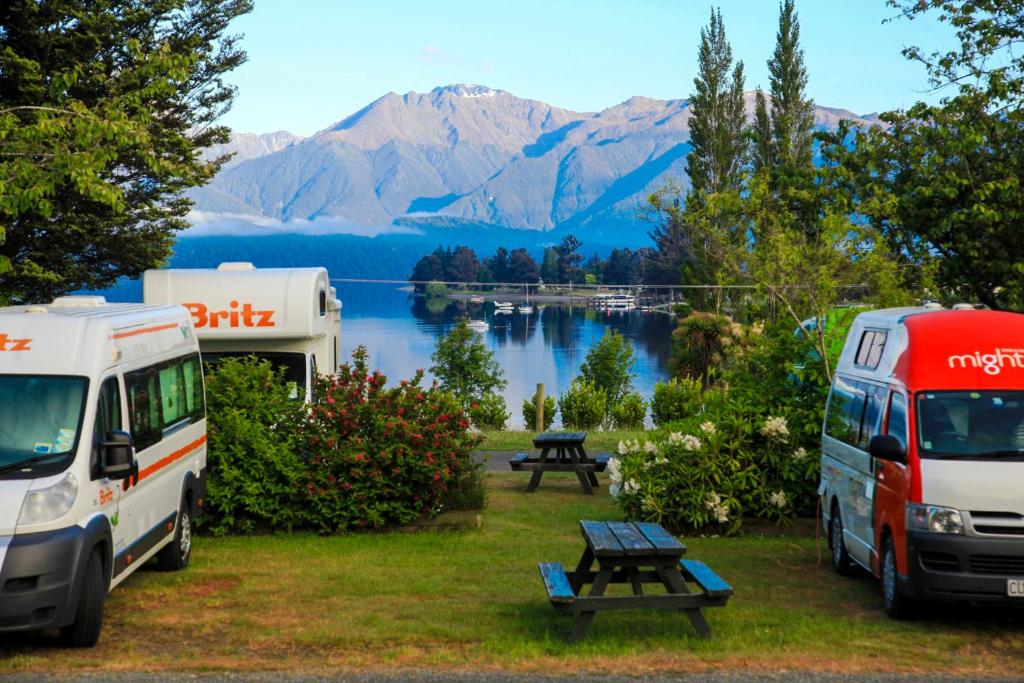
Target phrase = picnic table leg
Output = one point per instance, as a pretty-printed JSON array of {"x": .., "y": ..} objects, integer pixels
[
  {"x": 583, "y": 619},
  {"x": 634, "y": 578},
  {"x": 590, "y": 475},
  {"x": 585, "y": 482},
  {"x": 674, "y": 583},
  {"x": 538, "y": 473},
  {"x": 578, "y": 577}
]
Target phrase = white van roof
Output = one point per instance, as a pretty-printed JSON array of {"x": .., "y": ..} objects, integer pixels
[
  {"x": 240, "y": 301},
  {"x": 85, "y": 335}
]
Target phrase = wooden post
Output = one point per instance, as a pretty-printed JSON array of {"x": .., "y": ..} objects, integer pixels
[{"x": 539, "y": 402}]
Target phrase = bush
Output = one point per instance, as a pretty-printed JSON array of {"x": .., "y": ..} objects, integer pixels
[
  {"x": 253, "y": 466},
  {"x": 380, "y": 456},
  {"x": 465, "y": 366},
  {"x": 583, "y": 405},
  {"x": 489, "y": 412},
  {"x": 436, "y": 290},
  {"x": 609, "y": 366},
  {"x": 630, "y": 412},
  {"x": 753, "y": 450},
  {"x": 530, "y": 412},
  {"x": 700, "y": 345},
  {"x": 675, "y": 400}
]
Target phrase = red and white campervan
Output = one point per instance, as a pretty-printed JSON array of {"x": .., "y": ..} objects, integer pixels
[{"x": 922, "y": 467}]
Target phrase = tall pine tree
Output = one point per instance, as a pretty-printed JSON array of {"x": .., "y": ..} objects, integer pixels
[
  {"x": 717, "y": 117},
  {"x": 792, "y": 112}
]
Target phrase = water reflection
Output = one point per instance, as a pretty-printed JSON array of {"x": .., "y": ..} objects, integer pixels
[{"x": 400, "y": 331}]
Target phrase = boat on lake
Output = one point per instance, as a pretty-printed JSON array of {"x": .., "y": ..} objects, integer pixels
[
  {"x": 478, "y": 325},
  {"x": 476, "y": 299},
  {"x": 614, "y": 302}
]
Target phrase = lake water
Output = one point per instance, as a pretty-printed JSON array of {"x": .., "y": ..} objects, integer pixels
[{"x": 400, "y": 332}]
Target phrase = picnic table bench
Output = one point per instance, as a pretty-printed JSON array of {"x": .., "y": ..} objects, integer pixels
[
  {"x": 635, "y": 553},
  {"x": 561, "y": 452}
]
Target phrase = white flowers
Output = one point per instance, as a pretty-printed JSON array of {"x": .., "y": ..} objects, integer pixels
[
  {"x": 649, "y": 447},
  {"x": 675, "y": 438},
  {"x": 775, "y": 428},
  {"x": 778, "y": 499},
  {"x": 708, "y": 427},
  {"x": 630, "y": 487},
  {"x": 691, "y": 443},
  {"x": 614, "y": 470},
  {"x": 719, "y": 510},
  {"x": 799, "y": 454},
  {"x": 627, "y": 447}
]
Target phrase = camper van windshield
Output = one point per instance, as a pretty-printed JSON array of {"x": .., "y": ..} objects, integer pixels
[
  {"x": 39, "y": 416},
  {"x": 292, "y": 364},
  {"x": 971, "y": 424}
]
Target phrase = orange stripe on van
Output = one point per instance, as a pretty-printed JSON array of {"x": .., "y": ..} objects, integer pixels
[
  {"x": 144, "y": 330},
  {"x": 168, "y": 459}
]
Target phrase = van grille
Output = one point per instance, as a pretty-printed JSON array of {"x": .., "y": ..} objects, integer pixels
[
  {"x": 940, "y": 562},
  {"x": 997, "y": 564},
  {"x": 997, "y": 523}
]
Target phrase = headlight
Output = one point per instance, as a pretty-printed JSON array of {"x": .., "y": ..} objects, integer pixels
[
  {"x": 50, "y": 503},
  {"x": 934, "y": 518}
]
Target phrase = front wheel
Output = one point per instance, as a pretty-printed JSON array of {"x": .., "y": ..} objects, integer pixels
[
  {"x": 84, "y": 631},
  {"x": 840, "y": 558},
  {"x": 897, "y": 605},
  {"x": 175, "y": 555}
]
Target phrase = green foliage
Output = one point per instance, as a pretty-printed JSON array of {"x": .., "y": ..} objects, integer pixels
[
  {"x": 583, "y": 405},
  {"x": 676, "y": 400},
  {"x": 465, "y": 366},
  {"x": 716, "y": 126},
  {"x": 253, "y": 465},
  {"x": 102, "y": 113},
  {"x": 436, "y": 290},
  {"x": 530, "y": 412},
  {"x": 489, "y": 412},
  {"x": 609, "y": 366},
  {"x": 753, "y": 450},
  {"x": 630, "y": 411},
  {"x": 379, "y": 455},
  {"x": 567, "y": 263},
  {"x": 699, "y": 345}
]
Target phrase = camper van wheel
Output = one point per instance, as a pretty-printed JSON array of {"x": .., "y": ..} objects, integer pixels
[
  {"x": 175, "y": 555},
  {"x": 897, "y": 605},
  {"x": 84, "y": 631},
  {"x": 840, "y": 558}
]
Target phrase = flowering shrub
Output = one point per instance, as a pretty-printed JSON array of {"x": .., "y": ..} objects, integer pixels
[
  {"x": 751, "y": 451},
  {"x": 378, "y": 455}
]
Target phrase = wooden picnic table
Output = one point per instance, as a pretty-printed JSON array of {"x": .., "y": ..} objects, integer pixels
[
  {"x": 636, "y": 553},
  {"x": 561, "y": 452}
]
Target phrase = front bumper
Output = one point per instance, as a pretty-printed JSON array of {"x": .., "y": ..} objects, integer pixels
[
  {"x": 947, "y": 567},
  {"x": 39, "y": 579}
]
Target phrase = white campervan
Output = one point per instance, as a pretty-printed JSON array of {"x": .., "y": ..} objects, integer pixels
[
  {"x": 289, "y": 316},
  {"x": 102, "y": 455}
]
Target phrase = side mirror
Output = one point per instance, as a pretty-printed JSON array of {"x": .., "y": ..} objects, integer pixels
[
  {"x": 887, "y": 447},
  {"x": 117, "y": 459}
]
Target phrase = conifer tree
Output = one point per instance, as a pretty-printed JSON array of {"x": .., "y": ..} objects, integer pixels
[
  {"x": 717, "y": 116},
  {"x": 792, "y": 112},
  {"x": 762, "y": 152}
]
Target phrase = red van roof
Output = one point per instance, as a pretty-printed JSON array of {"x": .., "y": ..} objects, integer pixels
[{"x": 963, "y": 350}]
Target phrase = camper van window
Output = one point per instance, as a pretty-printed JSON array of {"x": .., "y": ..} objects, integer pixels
[
  {"x": 873, "y": 407},
  {"x": 39, "y": 415},
  {"x": 869, "y": 353},
  {"x": 898, "y": 418},
  {"x": 108, "y": 418},
  {"x": 845, "y": 410},
  {"x": 165, "y": 395},
  {"x": 978, "y": 425},
  {"x": 323, "y": 303}
]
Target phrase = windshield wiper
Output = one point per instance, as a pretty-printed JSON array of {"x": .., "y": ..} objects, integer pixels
[
  {"x": 1002, "y": 455},
  {"x": 985, "y": 455},
  {"x": 19, "y": 464}
]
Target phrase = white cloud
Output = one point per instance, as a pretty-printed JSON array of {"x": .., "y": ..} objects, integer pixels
[{"x": 204, "y": 223}]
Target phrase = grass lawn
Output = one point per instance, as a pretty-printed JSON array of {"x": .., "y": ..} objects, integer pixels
[
  {"x": 523, "y": 440},
  {"x": 473, "y": 601}
]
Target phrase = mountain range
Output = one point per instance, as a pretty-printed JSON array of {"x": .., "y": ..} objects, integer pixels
[{"x": 462, "y": 156}]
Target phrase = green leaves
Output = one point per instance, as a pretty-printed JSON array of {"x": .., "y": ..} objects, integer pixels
[{"x": 465, "y": 366}]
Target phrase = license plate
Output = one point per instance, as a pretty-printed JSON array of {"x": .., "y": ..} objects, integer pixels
[{"x": 1015, "y": 588}]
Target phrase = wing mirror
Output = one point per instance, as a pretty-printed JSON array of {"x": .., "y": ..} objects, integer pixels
[
  {"x": 117, "y": 455},
  {"x": 887, "y": 447}
]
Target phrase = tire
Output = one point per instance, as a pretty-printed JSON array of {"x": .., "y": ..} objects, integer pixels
[
  {"x": 840, "y": 557},
  {"x": 84, "y": 631},
  {"x": 175, "y": 555},
  {"x": 897, "y": 605}
]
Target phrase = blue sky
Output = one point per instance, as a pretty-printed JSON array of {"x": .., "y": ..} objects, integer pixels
[{"x": 313, "y": 62}]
